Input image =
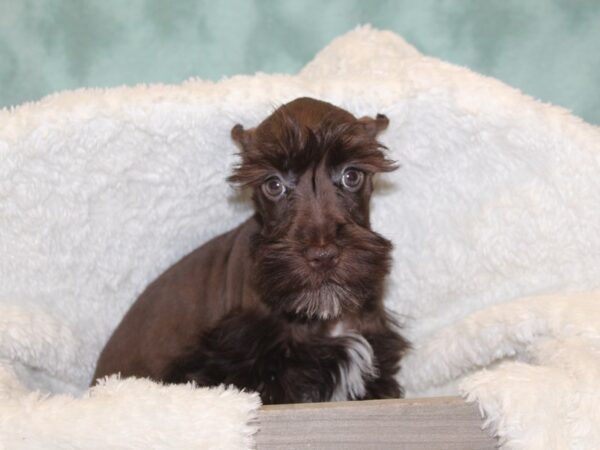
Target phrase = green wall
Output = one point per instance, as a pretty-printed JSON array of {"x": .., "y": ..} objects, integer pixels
[{"x": 549, "y": 49}]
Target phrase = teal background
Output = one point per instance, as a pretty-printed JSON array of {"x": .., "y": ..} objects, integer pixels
[{"x": 549, "y": 49}]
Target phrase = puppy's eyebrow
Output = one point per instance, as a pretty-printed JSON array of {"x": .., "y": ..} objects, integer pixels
[
  {"x": 283, "y": 146},
  {"x": 349, "y": 146}
]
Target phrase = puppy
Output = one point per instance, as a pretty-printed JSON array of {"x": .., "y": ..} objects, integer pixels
[{"x": 289, "y": 303}]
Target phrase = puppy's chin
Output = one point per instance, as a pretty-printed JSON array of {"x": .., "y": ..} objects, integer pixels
[{"x": 322, "y": 303}]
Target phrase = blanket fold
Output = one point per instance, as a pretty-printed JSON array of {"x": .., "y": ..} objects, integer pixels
[{"x": 126, "y": 414}]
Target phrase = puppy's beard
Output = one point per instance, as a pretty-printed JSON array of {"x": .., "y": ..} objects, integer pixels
[
  {"x": 323, "y": 303},
  {"x": 288, "y": 284}
]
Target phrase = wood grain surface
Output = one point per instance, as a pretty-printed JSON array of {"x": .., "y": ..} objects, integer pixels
[{"x": 444, "y": 423}]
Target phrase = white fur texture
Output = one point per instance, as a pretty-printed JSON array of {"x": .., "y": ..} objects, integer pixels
[
  {"x": 547, "y": 395},
  {"x": 101, "y": 190},
  {"x": 125, "y": 414}
]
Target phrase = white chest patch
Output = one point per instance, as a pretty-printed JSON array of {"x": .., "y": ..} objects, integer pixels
[{"x": 359, "y": 368}]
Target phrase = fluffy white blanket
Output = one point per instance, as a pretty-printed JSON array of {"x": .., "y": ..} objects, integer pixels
[{"x": 498, "y": 198}]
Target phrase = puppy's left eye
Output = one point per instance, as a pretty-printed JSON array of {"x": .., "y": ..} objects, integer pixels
[{"x": 352, "y": 179}]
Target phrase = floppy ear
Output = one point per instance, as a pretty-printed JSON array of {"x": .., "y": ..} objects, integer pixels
[
  {"x": 374, "y": 126},
  {"x": 242, "y": 137}
]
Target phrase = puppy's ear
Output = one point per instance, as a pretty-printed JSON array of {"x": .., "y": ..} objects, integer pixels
[
  {"x": 242, "y": 137},
  {"x": 374, "y": 126}
]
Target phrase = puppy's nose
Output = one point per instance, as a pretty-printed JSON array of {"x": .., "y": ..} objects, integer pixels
[{"x": 322, "y": 256}]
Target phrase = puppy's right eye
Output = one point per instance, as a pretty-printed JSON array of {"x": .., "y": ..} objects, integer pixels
[
  {"x": 273, "y": 188},
  {"x": 352, "y": 179}
]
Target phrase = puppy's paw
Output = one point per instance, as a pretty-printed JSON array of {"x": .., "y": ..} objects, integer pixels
[{"x": 357, "y": 370}]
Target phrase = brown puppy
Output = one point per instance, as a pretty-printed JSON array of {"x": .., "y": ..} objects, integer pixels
[{"x": 289, "y": 303}]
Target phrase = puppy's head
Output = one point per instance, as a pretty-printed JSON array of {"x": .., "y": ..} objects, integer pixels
[{"x": 310, "y": 165}]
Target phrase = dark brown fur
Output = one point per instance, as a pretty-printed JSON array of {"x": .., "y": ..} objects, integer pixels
[{"x": 257, "y": 307}]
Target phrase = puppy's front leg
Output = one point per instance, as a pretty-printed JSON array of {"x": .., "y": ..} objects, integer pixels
[{"x": 355, "y": 369}]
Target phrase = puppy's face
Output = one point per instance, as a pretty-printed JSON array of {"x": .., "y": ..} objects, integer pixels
[{"x": 310, "y": 165}]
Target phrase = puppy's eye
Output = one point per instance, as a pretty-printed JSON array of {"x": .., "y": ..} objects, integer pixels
[
  {"x": 352, "y": 179},
  {"x": 273, "y": 188}
]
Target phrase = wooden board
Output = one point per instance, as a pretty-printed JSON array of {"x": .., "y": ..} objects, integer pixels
[{"x": 444, "y": 423}]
